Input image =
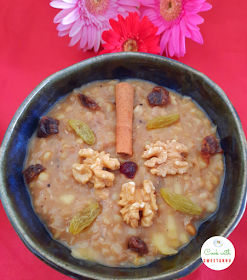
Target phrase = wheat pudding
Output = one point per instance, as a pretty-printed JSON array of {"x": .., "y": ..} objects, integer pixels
[{"x": 138, "y": 219}]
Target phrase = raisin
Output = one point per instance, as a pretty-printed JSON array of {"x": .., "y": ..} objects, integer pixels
[
  {"x": 159, "y": 96},
  {"x": 180, "y": 203},
  {"x": 47, "y": 126},
  {"x": 84, "y": 218},
  {"x": 163, "y": 121},
  {"x": 32, "y": 171},
  {"x": 83, "y": 130},
  {"x": 88, "y": 102},
  {"x": 129, "y": 169},
  {"x": 140, "y": 214},
  {"x": 183, "y": 154},
  {"x": 137, "y": 245},
  {"x": 210, "y": 146}
]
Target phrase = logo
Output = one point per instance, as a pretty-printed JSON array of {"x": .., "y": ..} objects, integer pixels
[
  {"x": 217, "y": 253},
  {"x": 218, "y": 242}
]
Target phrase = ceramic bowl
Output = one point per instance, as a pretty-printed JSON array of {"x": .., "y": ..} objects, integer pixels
[{"x": 157, "y": 69}]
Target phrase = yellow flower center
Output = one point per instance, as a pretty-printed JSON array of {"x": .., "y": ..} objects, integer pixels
[
  {"x": 97, "y": 7},
  {"x": 130, "y": 45},
  {"x": 170, "y": 9}
]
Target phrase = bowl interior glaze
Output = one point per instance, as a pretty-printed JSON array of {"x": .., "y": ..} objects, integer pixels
[{"x": 164, "y": 72}]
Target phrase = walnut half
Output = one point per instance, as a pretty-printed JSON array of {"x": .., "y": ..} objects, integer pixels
[
  {"x": 138, "y": 200},
  {"x": 91, "y": 170},
  {"x": 166, "y": 158}
]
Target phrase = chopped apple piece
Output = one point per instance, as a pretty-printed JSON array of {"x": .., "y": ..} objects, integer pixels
[
  {"x": 82, "y": 253},
  {"x": 159, "y": 242},
  {"x": 67, "y": 198}
]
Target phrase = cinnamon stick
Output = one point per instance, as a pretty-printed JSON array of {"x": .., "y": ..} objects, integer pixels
[{"x": 124, "y": 111}]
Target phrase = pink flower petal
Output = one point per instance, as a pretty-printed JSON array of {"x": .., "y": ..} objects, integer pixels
[
  {"x": 191, "y": 4},
  {"x": 76, "y": 27},
  {"x": 161, "y": 29},
  {"x": 121, "y": 10},
  {"x": 182, "y": 45},
  {"x": 75, "y": 39},
  {"x": 164, "y": 40},
  {"x": 148, "y": 3},
  {"x": 184, "y": 28},
  {"x": 175, "y": 38},
  {"x": 192, "y": 10},
  {"x": 195, "y": 19},
  {"x": 63, "y": 33},
  {"x": 62, "y": 27},
  {"x": 147, "y": 12},
  {"x": 197, "y": 2},
  {"x": 205, "y": 7},
  {"x": 59, "y": 17},
  {"x": 131, "y": 9},
  {"x": 93, "y": 34},
  {"x": 171, "y": 50},
  {"x": 129, "y": 2},
  {"x": 89, "y": 34},
  {"x": 85, "y": 48},
  {"x": 83, "y": 41},
  {"x": 70, "y": 1},
  {"x": 192, "y": 26},
  {"x": 72, "y": 17},
  {"x": 61, "y": 5},
  {"x": 196, "y": 36},
  {"x": 97, "y": 40}
]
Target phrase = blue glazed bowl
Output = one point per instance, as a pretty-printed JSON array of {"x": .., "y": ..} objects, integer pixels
[{"x": 157, "y": 69}]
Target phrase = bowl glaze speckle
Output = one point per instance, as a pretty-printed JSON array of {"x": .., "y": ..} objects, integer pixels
[{"x": 157, "y": 69}]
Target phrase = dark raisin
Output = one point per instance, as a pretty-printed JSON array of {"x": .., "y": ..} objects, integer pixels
[
  {"x": 137, "y": 245},
  {"x": 183, "y": 154},
  {"x": 159, "y": 96},
  {"x": 88, "y": 102},
  {"x": 140, "y": 121},
  {"x": 140, "y": 214},
  {"x": 48, "y": 185},
  {"x": 47, "y": 126},
  {"x": 129, "y": 169},
  {"x": 32, "y": 171},
  {"x": 210, "y": 146}
]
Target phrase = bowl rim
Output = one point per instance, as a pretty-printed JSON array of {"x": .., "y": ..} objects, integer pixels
[{"x": 72, "y": 270}]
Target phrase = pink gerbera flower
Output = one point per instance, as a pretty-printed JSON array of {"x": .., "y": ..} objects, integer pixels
[
  {"x": 176, "y": 20},
  {"x": 131, "y": 35},
  {"x": 85, "y": 20}
]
